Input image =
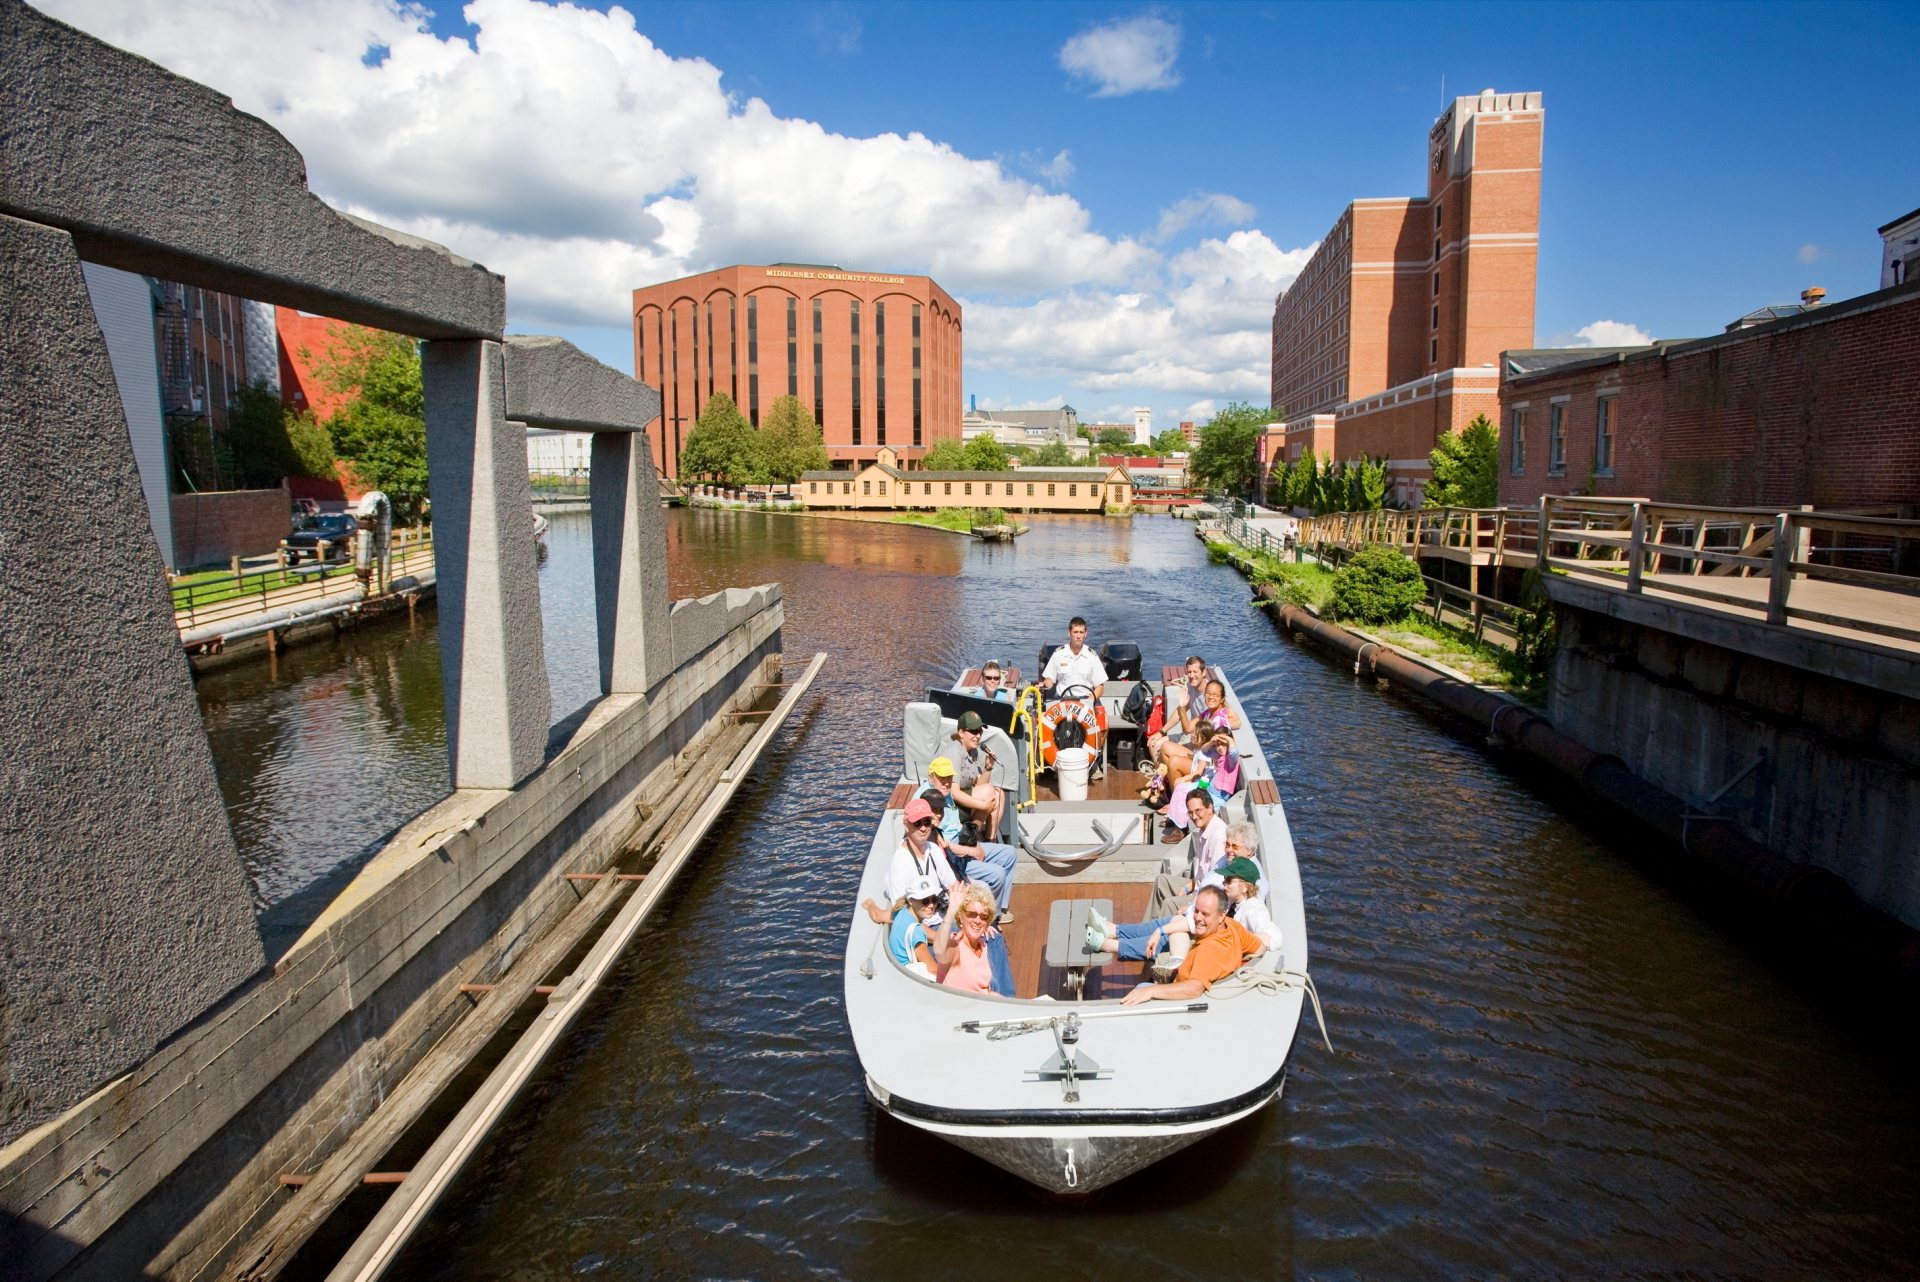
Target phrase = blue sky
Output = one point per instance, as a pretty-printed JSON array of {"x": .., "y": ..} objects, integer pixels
[{"x": 1114, "y": 192}]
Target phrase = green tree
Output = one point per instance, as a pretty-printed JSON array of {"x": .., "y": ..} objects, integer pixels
[
  {"x": 1223, "y": 460},
  {"x": 789, "y": 440},
  {"x": 1466, "y": 468},
  {"x": 312, "y": 444},
  {"x": 984, "y": 454},
  {"x": 722, "y": 446},
  {"x": 945, "y": 456},
  {"x": 1171, "y": 441},
  {"x": 1052, "y": 454},
  {"x": 257, "y": 438},
  {"x": 1115, "y": 438},
  {"x": 381, "y": 428},
  {"x": 1377, "y": 585}
]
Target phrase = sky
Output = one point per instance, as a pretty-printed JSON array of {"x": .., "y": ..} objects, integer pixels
[{"x": 1114, "y": 193}]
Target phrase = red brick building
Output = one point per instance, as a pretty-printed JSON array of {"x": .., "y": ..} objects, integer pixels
[
  {"x": 1395, "y": 327},
  {"x": 876, "y": 358},
  {"x": 1822, "y": 407}
]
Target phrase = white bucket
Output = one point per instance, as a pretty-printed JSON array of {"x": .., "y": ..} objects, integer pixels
[{"x": 1071, "y": 766}]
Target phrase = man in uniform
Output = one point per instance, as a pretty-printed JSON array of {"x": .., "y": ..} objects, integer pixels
[{"x": 1073, "y": 665}]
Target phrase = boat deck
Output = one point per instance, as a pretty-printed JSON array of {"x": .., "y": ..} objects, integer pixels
[{"x": 1027, "y": 938}]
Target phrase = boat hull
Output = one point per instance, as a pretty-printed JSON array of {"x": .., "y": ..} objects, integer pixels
[{"x": 1072, "y": 1159}]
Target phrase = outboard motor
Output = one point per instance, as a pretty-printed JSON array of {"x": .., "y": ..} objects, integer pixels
[
  {"x": 1046, "y": 652},
  {"x": 1121, "y": 660}
]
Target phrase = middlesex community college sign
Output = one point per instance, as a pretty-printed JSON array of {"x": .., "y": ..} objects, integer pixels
[{"x": 855, "y": 276}]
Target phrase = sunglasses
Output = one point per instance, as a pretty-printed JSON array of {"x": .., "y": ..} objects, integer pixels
[
  {"x": 978, "y": 916},
  {"x": 991, "y": 680},
  {"x": 921, "y": 823}
]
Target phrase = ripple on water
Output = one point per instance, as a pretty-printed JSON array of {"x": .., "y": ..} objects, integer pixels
[{"x": 1546, "y": 1063}]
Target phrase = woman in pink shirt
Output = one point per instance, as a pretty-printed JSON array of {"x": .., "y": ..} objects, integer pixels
[{"x": 962, "y": 956}]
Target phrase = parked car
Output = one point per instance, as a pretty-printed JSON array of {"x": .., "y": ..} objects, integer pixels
[{"x": 336, "y": 529}]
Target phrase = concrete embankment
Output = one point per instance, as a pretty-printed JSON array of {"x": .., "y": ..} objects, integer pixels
[{"x": 1816, "y": 898}]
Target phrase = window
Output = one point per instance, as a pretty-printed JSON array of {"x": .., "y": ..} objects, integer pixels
[
  {"x": 929, "y": 487},
  {"x": 1094, "y": 490},
  {"x": 1557, "y": 439},
  {"x": 846, "y": 487},
  {"x": 968, "y": 489},
  {"x": 1603, "y": 436},
  {"x": 1049, "y": 489},
  {"x": 866, "y": 487},
  {"x": 753, "y": 362},
  {"x": 813, "y": 487},
  {"x": 855, "y": 307},
  {"x": 880, "y": 373},
  {"x": 1436, "y": 316},
  {"x": 1436, "y": 284},
  {"x": 819, "y": 366},
  {"x": 916, "y": 373},
  {"x": 1436, "y": 215},
  {"x": 1519, "y": 442},
  {"x": 1436, "y": 249},
  {"x": 883, "y": 489},
  {"x": 1009, "y": 489},
  {"x": 1433, "y": 352},
  {"x": 1029, "y": 489},
  {"x": 1073, "y": 491},
  {"x": 793, "y": 347}
]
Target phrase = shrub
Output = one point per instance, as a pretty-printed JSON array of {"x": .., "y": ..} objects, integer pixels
[
  {"x": 1377, "y": 585},
  {"x": 1536, "y": 631}
]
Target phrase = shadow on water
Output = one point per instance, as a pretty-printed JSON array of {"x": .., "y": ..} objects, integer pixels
[{"x": 1549, "y": 1060}]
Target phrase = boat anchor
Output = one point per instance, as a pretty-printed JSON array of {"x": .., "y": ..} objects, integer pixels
[{"x": 1067, "y": 1065}]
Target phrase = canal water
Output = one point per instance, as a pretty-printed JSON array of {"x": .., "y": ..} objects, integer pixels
[{"x": 1549, "y": 1059}]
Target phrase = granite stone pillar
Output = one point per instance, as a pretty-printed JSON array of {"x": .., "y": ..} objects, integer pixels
[
  {"x": 629, "y": 565},
  {"x": 492, "y": 652},
  {"x": 126, "y": 910}
]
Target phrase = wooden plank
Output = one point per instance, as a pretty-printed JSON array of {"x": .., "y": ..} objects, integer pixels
[
  {"x": 1264, "y": 792},
  {"x": 901, "y": 795}
]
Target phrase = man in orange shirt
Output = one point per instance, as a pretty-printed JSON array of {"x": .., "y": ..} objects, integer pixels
[{"x": 1221, "y": 946}]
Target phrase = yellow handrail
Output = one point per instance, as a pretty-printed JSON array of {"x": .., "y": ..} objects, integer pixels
[{"x": 1030, "y": 695}]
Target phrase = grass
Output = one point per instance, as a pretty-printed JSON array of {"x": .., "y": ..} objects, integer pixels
[
  {"x": 958, "y": 519},
  {"x": 208, "y": 586},
  {"x": 1487, "y": 663},
  {"x": 1305, "y": 583}
]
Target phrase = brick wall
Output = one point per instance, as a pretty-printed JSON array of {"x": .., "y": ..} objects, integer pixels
[
  {"x": 215, "y": 527},
  {"x": 1821, "y": 409}
]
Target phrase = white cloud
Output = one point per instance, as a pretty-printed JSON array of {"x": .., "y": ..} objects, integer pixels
[
  {"x": 1207, "y": 207},
  {"x": 1125, "y": 57},
  {"x": 566, "y": 150},
  {"x": 1610, "y": 333},
  {"x": 1810, "y": 254}
]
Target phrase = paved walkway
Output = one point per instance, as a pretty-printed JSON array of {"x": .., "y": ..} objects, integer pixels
[{"x": 1843, "y": 607}]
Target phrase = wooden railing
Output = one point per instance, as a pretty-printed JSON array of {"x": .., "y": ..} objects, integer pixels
[
  {"x": 1634, "y": 540},
  {"x": 238, "y": 596},
  {"x": 1502, "y": 535}
]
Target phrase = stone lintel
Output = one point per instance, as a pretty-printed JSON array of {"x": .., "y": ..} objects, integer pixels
[
  {"x": 553, "y": 384},
  {"x": 154, "y": 173}
]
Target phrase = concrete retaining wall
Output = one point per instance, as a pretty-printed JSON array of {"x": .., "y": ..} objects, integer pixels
[
  {"x": 1842, "y": 780},
  {"x": 165, "y": 1170},
  {"x": 214, "y": 527}
]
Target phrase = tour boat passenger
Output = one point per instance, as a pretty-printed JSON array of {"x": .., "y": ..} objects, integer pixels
[
  {"x": 1074, "y": 666},
  {"x": 989, "y": 862},
  {"x": 908, "y": 923},
  {"x": 962, "y": 956},
  {"x": 1216, "y": 767},
  {"x": 1221, "y": 946},
  {"x": 991, "y": 686},
  {"x": 1243, "y": 891},
  {"x": 973, "y": 786},
  {"x": 1213, "y": 710},
  {"x": 917, "y": 857}
]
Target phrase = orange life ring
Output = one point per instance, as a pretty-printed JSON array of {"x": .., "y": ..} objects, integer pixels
[{"x": 1091, "y": 716}]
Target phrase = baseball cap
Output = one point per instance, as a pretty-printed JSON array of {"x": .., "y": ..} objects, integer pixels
[
  {"x": 925, "y": 888},
  {"x": 941, "y": 766},
  {"x": 918, "y": 810},
  {"x": 1243, "y": 868},
  {"x": 969, "y": 721}
]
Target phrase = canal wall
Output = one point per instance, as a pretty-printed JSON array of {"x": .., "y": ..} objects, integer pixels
[
  {"x": 1809, "y": 744},
  {"x": 167, "y": 1169}
]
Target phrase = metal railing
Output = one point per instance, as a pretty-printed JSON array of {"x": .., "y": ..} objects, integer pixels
[
  {"x": 1633, "y": 540},
  {"x": 232, "y": 597}
]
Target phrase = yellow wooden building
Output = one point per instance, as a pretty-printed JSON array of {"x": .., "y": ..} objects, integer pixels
[{"x": 883, "y": 486}]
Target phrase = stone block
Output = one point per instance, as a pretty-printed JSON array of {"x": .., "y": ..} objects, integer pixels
[
  {"x": 1709, "y": 669},
  {"x": 1840, "y": 709},
  {"x": 1899, "y": 732},
  {"x": 697, "y": 623},
  {"x": 1659, "y": 653},
  {"x": 157, "y": 174},
  {"x": 492, "y": 649},
  {"x": 1769, "y": 688},
  {"x": 553, "y": 384},
  {"x": 127, "y": 911}
]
